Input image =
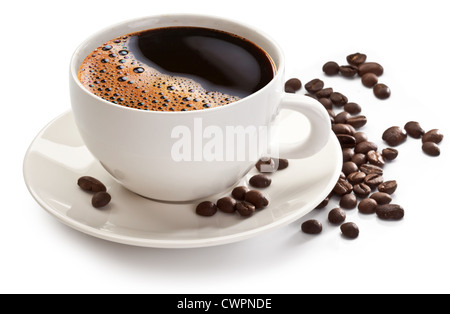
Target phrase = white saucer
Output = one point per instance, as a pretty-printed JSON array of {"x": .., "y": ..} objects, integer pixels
[{"x": 58, "y": 157}]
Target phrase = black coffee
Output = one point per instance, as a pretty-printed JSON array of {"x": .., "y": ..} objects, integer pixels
[{"x": 176, "y": 69}]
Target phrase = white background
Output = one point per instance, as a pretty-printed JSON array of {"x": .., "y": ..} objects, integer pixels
[{"x": 409, "y": 38}]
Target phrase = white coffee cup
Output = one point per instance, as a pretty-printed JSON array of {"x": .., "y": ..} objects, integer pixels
[{"x": 137, "y": 147}]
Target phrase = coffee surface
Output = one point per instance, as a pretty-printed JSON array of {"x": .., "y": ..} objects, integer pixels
[{"x": 176, "y": 69}]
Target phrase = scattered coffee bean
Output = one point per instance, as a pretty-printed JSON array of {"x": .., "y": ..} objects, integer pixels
[
  {"x": 375, "y": 158},
  {"x": 390, "y": 212},
  {"x": 324, "y": 203},
  {"x": 348, "y": 167},
  {"x": 206, "y": 209},
  {"x": 338, "y": 99},
  {"x": 350, "y": 230},
  {"x": 356, "y": 177},
  {"x": 352, "y": 108},
  {"x": 282, "y": 163},
  {"x": 326, "y": 102},
  {"x": 347, "y": 154},
  {"x": 368, "y": 169},
  {"x": 381, "y": 198},
  {"x": 373, "y": 180},
  {"x": 434, "y": 136},
  {"x": 394, "y": 136},
  {"x": 389, "y": 153},
  {"x": 324, "y": 93},
  {"x": 293, "y": 84},
  {"x": 348, "y": 201},
  {"x": 314, "y": 85},
  {"x": 369, "y": 79},
  {"x": 100, "y": 199},
  {"x": 414, "y": 129},
  {"x": 91, "y": 184},
  {"x": 256, "y": 198},
  {"x": 348, "y": 70},
  {"x": 367, "y": 206},
  {"x": 381, "y": 91},
  {"x": 370, "y": 67},
  {"x": 226, "y": 204},
  {"x": 357, "y": 121},
  {"x": 346, "y": 141},
  {"x": 342, "y": 117},
  {"x": 342, "y": 187},
  {"x": 245, "y": 209},
  {"x": 330, "y": 68},
  {"x": 337, "y": 216},
  {"x": 312, "y": 227},
  {"x": 388, "y": 187},
  {"x": 431, "y": 148},
  {"x": 365, "y": 147},
  {"x": 359, "y": 159},
  {"x": 362, "y": 190},
  {"x": 239, "y": 192},
  {"x": 360, "y": 137},
  {"x": 356, "y": 58},
  {"x": 311, "y": 95},
  {"x": 260, "y": 181},
  {"x": 343, "y": 128}
]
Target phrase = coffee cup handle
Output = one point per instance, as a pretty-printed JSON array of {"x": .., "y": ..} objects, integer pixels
[{"x": 320, "y": 126}]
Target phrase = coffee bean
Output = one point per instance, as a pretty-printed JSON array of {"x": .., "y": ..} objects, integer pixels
[
  {"x": 375, "y": 158},
  {"x": 394, "y": 136},
  {"x": 348, "y": 70},
  {"x": 256, "y": 198},
  {"x": 362, "y": 189},
  {"x": 91, "y": 184},
  {"x": 359, "y": 159},
  {"x": 365, "y": 147},
  {"x": 100, "y": 199},
  {"x": 367, "y": 206},
  {"x": 311, "y": 95},
  {"x": 348, "y": 201},
  {"x": 239, "y": 192},
  {"x": 352, "y": 108},
  {"x": 342, "y": 117},
  {"x": 326, "y": 102},
  {"x": 369, "y": 79},
  {"x": 349, "y": 167},
  {"x": 346, "y": 141},
  {"x": 389, "y": 153},
  {"x": 265, "y": 165},
  {"x": 347, "y": 154},
  {"x": 381, "y": 198},
  {"x": 373, "y": 180},
  {"x": 330, "y": 68},
  {"x": 337, "y": 216},
  {"x": 245, "y": 209},
  {"x": 342, "y": 187},
  {"x": 390, "y": 212},
  {"x": 360, "y": 137},
  {"x": 350, "y": 230},
  {"x": 206, "y": 209},
  {"x": 356, "y": 58},
  {"x": 338, "y": 99},
  {"x": 370, "y": 67},
  {"x": 356, "y": 177},
  {"x": 314, "y": 85},
  {"x": 324, "y": 93},
  {"x": 434, "y": 136},
  {"x": 343, "y": 128},
  {"x": 289, "y": 89},
  {"x": 357, "y": 121},
  {"x": 260, "y": 181},
  {"x": 293, "y": 84},
  {"x": 381, "y": 91},
  {"x": 282, "y": 163},
  {"x": 414, "y": 129},
  {"x": 431, "y": 149},
  {"x": 324, "y": 203},
  {"x": 312, "y": 227},
  {"x": 368, "y": 169},
  {"x": 388, "y": 187},
  {"x": 226, "y": 204}
]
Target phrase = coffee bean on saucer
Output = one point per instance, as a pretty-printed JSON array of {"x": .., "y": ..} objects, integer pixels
[
  {"x": 260, "y": 181},
  {"x": 388, "y": 187},
  {"x": 206, "y": 209},
  {"x": 348, "y": 201},
  {"x": 266, "y": 165},
  {"x": 239, "y": 192},
  {"x": 367, "y": 206},
  {"x": 350, "y": 230},
  {"x": 389, "y": 153},
  {"x": 292, "y": 85},
  {"x": 226, "y": 204},
  {"x": 324, "y": 93},
  {"x": 100, "y": 199},
  {"x": 348, "y": 70},
  {"x": 370, "y": 67},
  {"x": 414, "y": 129},
  {"x": 338, "y": 99},
  {"x": 381, "y": 91},
  {"x": 312, "y": 227},
  {"x": 245, "y": 209},
  {"x": 256, "y": 198},
  {"x": 434, "y": 136},
  {"x": 337, "y": 216},
  {"x": 390, "y": 212},
  {"x": 431, "y": 148},
  {"x": 330, "y": 68},
  {"x": 381, "y": 198},
  {"x": 369, "y": 79},
  {"x": 356, "y": 58},
  {"x": 91, "y": 184},
  {"x": 352, "y": 108},
  {"x": 314, "y": 85},
  {"x": 394, "y": 136}
]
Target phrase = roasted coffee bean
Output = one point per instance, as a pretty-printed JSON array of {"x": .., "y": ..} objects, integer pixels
[
  {"x": 381, "y": 198},
  {"x": 226, "y": 204},
  {"x": 434, "y": 136},
  {"x": 326, "y": 102},
  {"x": 352, "y": 108},
  {"x": 342, "y": 187},
  {"x": 245, "y": 209},
  {"x": 100, "y": 199},
  {"x": 314, "y": 85},
  {"x": 368, "y": 169},
  {"x": 394, "y": 135},
  {"x": 414, "y": 129},
  {"x": 293, "y": 84},
  {"x": 342, "y": 176},
  {"x": 357, "y": 121},
  {"x": 347, "y": 154},
  {"x": 381, "y": 91},
  {"x": 349, "y": 167},
  {"x": 266, "y": 165},
  {"x": 324, "y": 93},
  {"x": 390, "y": 212},
  {"x": 312, "y": 227},
  {"x": 370, "y": 67},
  {"x": 330, "y": 68},
  {"x": 256, "y": 198},
  {"x": 342, "y": 117},
  {"x": 362, "y": 189},
  {"x": 373, "y": 180},
  {"x": 388, "y": 187},
  {"x": 431, "y": 149},
  {"x": 343, "y": 128},
  {"x": 260, "y": 181},
  {"x": 356, "y": 177},
  {"x": 348, "y": 70},
  {"x": 239, "y": 192},
  {"x": 337, "y": 216},
  {"x": 356, "y": 58},
  {"x": 282, "y": 163},
  {"x": 375, "y": 158},
  {"x": 311, "y": 95},
  {"x": 324, "y": 203},
  {"x": 389, "y": 153},
  {"x": 360, "y": 137},
  {"x": 289, "y": 89},
  {"x": 91, "y": 184},
  {"x": 346, "y": 141},
  {"x": 338, "y": 99},
  {"x": 359, "y": 159},
  {"x": 365, "y": 147},
  {"x": 350, "y": 230},
  {"x": 367, "y": 206},
  {"x": 369, "y": 79},
  {"x": 348, "y": 201},
  {"x": 206, "y": 209}
]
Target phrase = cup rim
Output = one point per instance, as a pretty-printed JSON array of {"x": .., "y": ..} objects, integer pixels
[{"x": 279, "y": 66}]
